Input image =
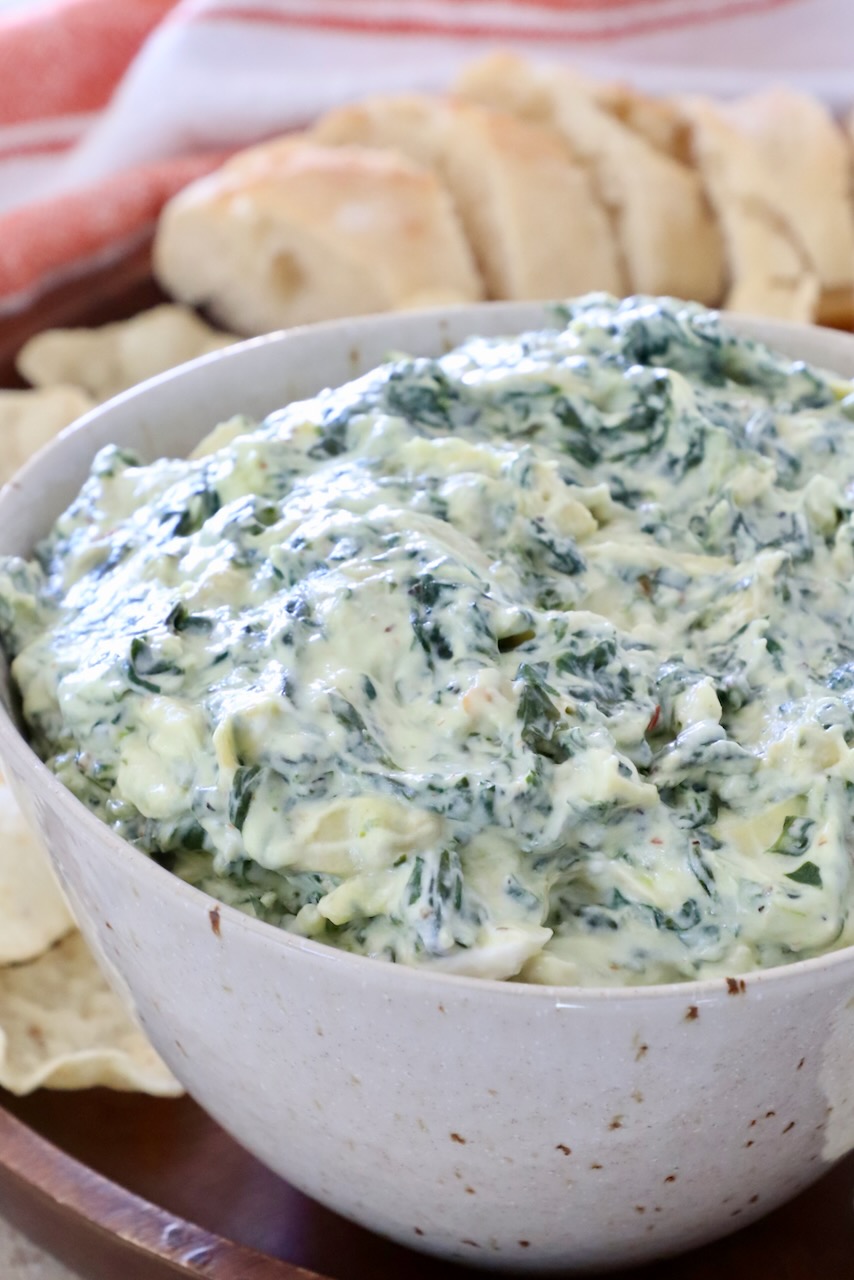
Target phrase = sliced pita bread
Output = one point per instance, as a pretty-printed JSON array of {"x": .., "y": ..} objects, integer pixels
[
  {"x": 29, "y": 419},
  {"x": 33, "y": 912},
  {"x": 107, "y": 360},
  {"x": 669, "y": 240},
  {"x": 62, "y": 1027},
  {"x": 530, "y": 212},
  {"x": 804, "y": 148},
  {"x": 769, "y": 267}
]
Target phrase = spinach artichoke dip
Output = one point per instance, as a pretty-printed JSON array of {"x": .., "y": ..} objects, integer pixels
[{"x": 534, "y": 661}]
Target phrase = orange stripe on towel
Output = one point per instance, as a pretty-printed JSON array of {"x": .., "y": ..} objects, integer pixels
[
  {"x": 68, "y": 57},
  {"x": 44, "y": 242},
  {"x": 440, "y": 25}
]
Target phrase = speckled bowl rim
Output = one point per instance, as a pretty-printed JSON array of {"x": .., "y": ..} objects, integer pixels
[{"x": 14, "y": 744}]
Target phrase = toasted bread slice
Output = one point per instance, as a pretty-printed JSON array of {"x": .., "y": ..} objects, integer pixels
[
  {"x": 412, "y": 123},
  {"x": 655, "y": 119},
  {"x": 530, "y": 212},
  {"x": 812, "y": 164},
  {"x": 290, "y": 232},
  {"x": 770, "y": 271},
  {"x": 508, "y": 82},
  {"x": 669, "y": 239}
]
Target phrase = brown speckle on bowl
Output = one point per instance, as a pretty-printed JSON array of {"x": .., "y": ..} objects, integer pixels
[
  {"x": 524, "y": 1244},
  {"x": 736, "y": 986},
  {"x": 596, "y": 1166},
  {"x": 473, "y": 1244},
  {"x": 753, "y": 1199},
  {"x": 637, "y": 1096},
  {"x": 692, "y": 1013},
  {"x": 455, "y": 1137},
  {"x": 418, "y": 1231},
  {"x": 671, "y": 1177},
  {"x": 561, "y": 1146},
  {"x": 616, "y": 1123},
  {"x": 770, "y": 1114},
  {"x": 213, "y": 916},
  {"x": 441, "y": 1008},
  {"x": 640, "y": 1208},
  {"x": 800, "y": 1064},
  {"x": 642, "y": 1051},
  {"x": 749, "y": 1142},
  {"x": 789, "y": 1126},
  {"x": 470, "y": 1191}
]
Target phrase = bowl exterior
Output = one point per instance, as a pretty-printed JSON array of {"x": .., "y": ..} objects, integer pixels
[
  {"x": 546, "y": 1128},
  {"x": 497, "y": 1124}
]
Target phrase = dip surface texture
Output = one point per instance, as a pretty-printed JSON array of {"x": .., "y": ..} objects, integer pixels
[{"x": 534, "y": 661}]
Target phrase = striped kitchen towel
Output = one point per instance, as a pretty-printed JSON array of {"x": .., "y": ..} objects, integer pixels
[{"x": 109, "y": 106}]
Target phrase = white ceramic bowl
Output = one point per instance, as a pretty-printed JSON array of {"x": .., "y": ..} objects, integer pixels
[{"x": 499, "y": 1124}]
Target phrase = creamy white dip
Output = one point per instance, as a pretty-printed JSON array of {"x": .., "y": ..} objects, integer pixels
[{"x": 533, "y": 661}]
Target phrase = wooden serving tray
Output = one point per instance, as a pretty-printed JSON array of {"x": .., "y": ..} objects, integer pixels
[
  {"x": 88, "y": 1194},
  {"x": 125, "y": 1187}
]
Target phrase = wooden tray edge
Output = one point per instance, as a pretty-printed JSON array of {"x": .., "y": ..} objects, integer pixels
[{"x": 83, "y": 1219}]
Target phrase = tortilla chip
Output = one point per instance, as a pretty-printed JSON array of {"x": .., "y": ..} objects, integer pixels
[
  {"x": 28, "y": 419},
  {"x": 107, "y": 360},
  {"x": 33, "y": 912},
  {"x": 62, "y": 1027}
]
